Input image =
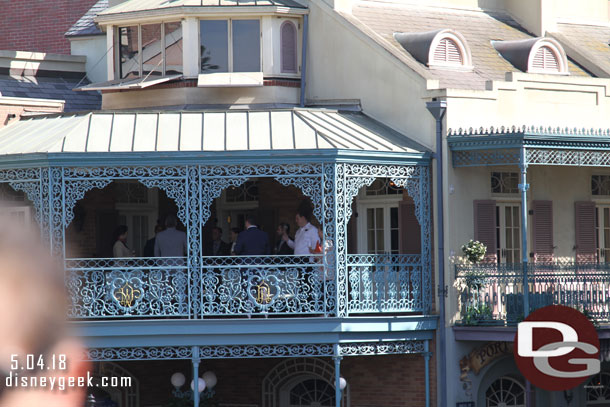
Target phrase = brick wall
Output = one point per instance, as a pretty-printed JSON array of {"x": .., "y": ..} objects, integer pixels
[
  {"x": 375, "y": 381},
  {"x": 39, "y": 25}
]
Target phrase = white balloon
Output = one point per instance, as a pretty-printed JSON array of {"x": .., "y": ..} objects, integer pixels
[
  {"x": 178, "y": 380},
  {"x": 342, "y": 383},
  {"x": 201, "y": 385},
  {"x": 210, "y": 379}
]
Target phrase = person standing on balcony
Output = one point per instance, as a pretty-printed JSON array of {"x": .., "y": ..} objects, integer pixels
[
  {"x": 282, "y": 247},
  {"x": 234, "y": 234},
  {"x": 149, "y": 247},
  {"x": 171, "y": 242},
  {"x": 306, "y": 238},
  {"x": 252, "y": 241},
  {"x": 120, "y": 249},
  {"x": 218, "y": 247}
]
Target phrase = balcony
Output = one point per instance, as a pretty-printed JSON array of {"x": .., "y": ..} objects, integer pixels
[
  {"x": 492, "y": 294},
  {"x": 240, "y": 286}
]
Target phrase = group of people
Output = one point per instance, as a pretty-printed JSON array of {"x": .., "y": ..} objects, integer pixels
[
  {"x": 167, "y": 242},
  {"x": 252, "y": 241}
]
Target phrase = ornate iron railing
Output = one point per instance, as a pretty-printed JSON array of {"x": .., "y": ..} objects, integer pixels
[
  {"x": 138, "y": 287},
  {"x": 493, "y": 293},
  {"x": 241, "y": 286},
  {"x": 384, "y": 283}
]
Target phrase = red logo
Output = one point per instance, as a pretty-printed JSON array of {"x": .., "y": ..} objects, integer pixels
[{"x": 557, "y": 348}]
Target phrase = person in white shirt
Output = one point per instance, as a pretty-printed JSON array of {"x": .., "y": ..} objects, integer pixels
[{"x": 306, "y": 237}]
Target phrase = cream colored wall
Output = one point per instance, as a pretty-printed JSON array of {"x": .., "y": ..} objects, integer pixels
[
  {"x": 343, "y": 63},
  {"x": 199, "y": 96},
  {"x": 526, "y": 99},
  {"x": 94, "y": 49},
  {"x": 591, "y": 10}
]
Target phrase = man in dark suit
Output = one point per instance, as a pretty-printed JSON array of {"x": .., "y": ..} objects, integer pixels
[
  {"x": 252, "y": 241},
  {"x": 218, "y": 247}
]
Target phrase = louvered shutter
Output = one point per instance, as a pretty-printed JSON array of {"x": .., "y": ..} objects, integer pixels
[
  {"x": 585, "y": 232},
  {"x": 409, "y": 229},
  {"x": 543, "y": 231},
  {"x": 545, "y": 59},
  {"x": 485, "y": 226},
  {"x": 288, "y": 37},
  {"x": 448, "y": 52}
]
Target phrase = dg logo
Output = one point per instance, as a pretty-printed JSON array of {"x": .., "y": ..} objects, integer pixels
[{"x": 557, "y": 348}]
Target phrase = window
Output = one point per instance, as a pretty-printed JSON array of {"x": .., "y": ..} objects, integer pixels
[
  {"x": 447, "y": 52},
  {"x": 600, "y": 185},
  {"x": 505, "y": 392},
  {"x": 504, "y": 182},
  {"x": 247, "y": 192},
  {"x": 230, "y": 46},
  {"x": 545, "y": 60},
  {"x": 598, "y": 390},
  {"x": 383, "y": 186},
  {"x": 129, "y": 53},
  {"x": 288, "y": 38},
  {"x": 150, "y": 50}
]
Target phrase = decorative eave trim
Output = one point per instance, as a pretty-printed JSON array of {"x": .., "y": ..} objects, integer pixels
[
  {"x": 529, "y": 130},
  {"x": 181, "y": 12},
  {"x": 515, "y": 141}
]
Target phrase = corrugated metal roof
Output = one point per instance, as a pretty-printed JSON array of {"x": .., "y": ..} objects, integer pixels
[
  {"x": 233, "y": 130},
  {"x": 147, "y": 5}
]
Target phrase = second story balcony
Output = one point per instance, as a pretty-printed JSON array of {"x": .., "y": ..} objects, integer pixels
[
  {"x": 492, "y": 294},
  {"x": 370, "y": 212}
]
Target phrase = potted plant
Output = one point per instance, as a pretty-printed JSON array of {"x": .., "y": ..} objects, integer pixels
[
  {"x": 474, "y": 251},
  {"x": 474, "y": 280}
]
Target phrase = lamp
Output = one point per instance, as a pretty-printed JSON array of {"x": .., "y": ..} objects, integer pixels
[
  {"x": 206, "y": 384},
  {"x": 342, "y": 383}
]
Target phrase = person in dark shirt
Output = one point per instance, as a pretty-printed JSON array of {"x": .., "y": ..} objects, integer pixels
[
  {"x": 149, "y": 247},
  {"x": 282, "y": 246},
  {"x": 217, "y": 247},
  {"x": 252, "y": 241}
]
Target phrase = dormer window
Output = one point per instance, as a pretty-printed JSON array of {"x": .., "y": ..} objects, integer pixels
[
  {"x": 534, "y": 55},
  {"x": 437, "y": 49},
  {"x": 230, "y": 45},
  {"x": 149, "y": 50}
]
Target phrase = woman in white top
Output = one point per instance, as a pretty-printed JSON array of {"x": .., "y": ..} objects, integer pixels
[{"x": 120, "y": 248}]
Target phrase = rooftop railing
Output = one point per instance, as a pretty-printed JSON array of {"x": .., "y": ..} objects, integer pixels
[{"x": 493, "y": 293}]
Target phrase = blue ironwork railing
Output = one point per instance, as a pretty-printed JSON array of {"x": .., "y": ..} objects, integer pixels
[
  {"x": 241, "y": 286},
  {"x": 124, "y": 287},
  {"x": 384, "y": 283},
  {"x": 492, "y": 293},
  {"x": 237, "y": 285}
]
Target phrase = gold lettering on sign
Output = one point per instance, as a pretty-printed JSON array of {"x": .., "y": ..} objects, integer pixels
[
  {"x": 484, "y": 355},
  {"x": 126, "y": 295},
  {"x": 263, "y": 293}
]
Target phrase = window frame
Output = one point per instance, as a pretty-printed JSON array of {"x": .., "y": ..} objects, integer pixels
[
  {"x": 229, "y": 21},
  {"x": 295, "y": 26},
  {"x": 117, "y": 48}
]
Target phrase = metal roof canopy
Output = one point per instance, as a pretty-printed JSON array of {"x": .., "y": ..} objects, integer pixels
[
  {"x": 154, "y": 7},
  {"x": 274, "y": 134}
]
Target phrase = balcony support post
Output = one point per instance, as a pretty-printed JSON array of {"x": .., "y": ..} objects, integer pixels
[
  {"x": 523, "y": 187},
  {"x": 196, "y": 361},
  {"x": 427, "y": 357},
  {"x": 337, "y": 360}
]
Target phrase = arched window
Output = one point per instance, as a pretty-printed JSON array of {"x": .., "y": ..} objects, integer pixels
[
  {"x": 505, "y": 392},
  {"x": 545, "y": 59},
  {"x": 448, "y": 52},
  {"x": 288, "y": 39},
  {"x": 598, "y": 390}
]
